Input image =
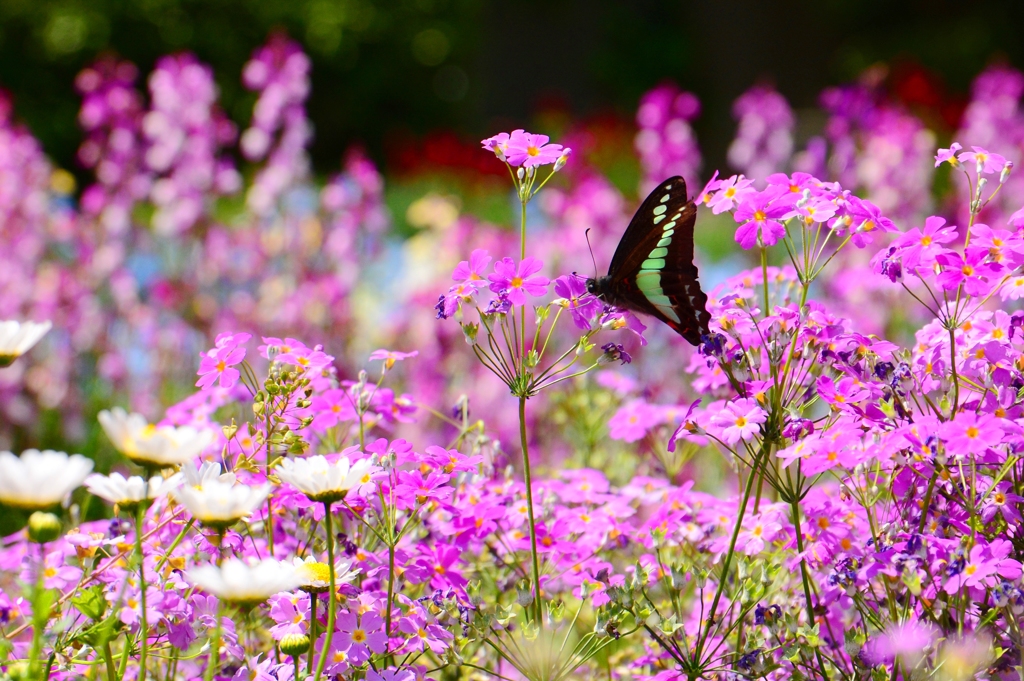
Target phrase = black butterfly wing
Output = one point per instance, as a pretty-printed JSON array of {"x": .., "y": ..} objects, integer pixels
[{"x": 653, "y": 271}]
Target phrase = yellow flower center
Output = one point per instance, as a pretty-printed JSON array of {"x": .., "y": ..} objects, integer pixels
[
  {"x": 972, "y": 432},
  {"x": 315, "y": 572},
  {"x": 221, "y": 366},
  {"x": 926, "y": 240},
  {"x": 517, "y": 282},
  {"x": 532, "y": 150},
  {"x": 741, "y": 421},
  {"x": 759, "y": 216},
  {"x": 358, "y": 636}
]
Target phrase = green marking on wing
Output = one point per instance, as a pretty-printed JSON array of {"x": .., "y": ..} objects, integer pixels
[
  {"x": 653, "y": 264},
  {"x": 670, "y": 225},
  {"x": 659, "y": 219},
  {"x": 668, "y": 312},
  {"x": 659, "y": 210},
  {"x": 658, "y": 253},
  {"x": 665, "y": 198},
  {"x": 649, "y": 282},
  {"x": 665, "y": 241}
]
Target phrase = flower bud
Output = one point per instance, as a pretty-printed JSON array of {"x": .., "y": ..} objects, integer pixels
[
  {"x": 560, "y": 163},
  {"x": 521, "y": 173},
  {"x": 294, "y": 644},
  {"x": 1003, "y": 176},
  {"x": 43, "y": 527}
]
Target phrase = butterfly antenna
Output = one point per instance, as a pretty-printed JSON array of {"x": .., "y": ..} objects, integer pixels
[{"x": 586, "y": 235}]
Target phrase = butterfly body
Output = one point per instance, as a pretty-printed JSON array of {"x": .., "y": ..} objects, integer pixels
[{"x": 652, "y": 271}]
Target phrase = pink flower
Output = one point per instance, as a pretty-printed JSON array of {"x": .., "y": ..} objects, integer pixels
[
  {"x": 632, "y": 421},
  {"x": 391, "y": 356},
  {"x": 986, "y": 161},
  {"x": 948, "y": 155},
  {"x": 526, "y": 149},
  {"x": 518, "y": 281},
  {"x": 739, "y": 420},
  {"x": 970, "y": 271},
  {"x": 216, "y": 367},
  {"x": 760, "y": 217},
  {"x": 470, "y": 273},
  {"x": 498, "y": 144},
  {"x": 731, "y": 192},
  {"x": 918, "y": 245}
]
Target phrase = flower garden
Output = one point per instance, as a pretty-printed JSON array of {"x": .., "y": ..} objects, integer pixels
[{"x": 260, "y": 430}]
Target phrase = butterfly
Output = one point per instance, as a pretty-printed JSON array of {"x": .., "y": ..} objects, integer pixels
[{"x": 652, "y": 270}]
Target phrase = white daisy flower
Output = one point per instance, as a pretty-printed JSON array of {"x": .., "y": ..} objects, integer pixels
[
  {"x": 152, "y": 445},
  {"x": 209, "y": 470},
  {"x": 241, "y": 582},
  {"x": 322, "y": 481},
  {"x": 128, "y": 492},
  {"x": 220, "y": 504},
  {"x": 38, "y": 480},
  {"x": 316, "y": 576},
  {"x": 17, "y": 338}
]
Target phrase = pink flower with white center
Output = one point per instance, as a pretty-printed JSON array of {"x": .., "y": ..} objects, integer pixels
[
  {"x": 529, "y": 150},
  {"x": 423, "y": 634},
  {"x": 739, "y": 420},
  {"x": 987, "y": 162},
  {"x": 730, "y": 193},
  {"x": 518, "y": 281},
  {"x": 813, "y": 210},
  {"x": 948, "y": 155},
  {"x": 1003, "y": 501},
  {"x": 216, "y": 367}
]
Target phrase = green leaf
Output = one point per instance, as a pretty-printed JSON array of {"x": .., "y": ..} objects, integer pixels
[{"x": 91, "y": 603}]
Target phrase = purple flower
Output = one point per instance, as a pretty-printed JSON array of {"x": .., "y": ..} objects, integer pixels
[
  {"x": 518, "y": 281},
  {"x": 582, "y": 305},
  {"x": 528, "y": 150},
  {"x": 615, "y": 352},
  {"x": 498, "y": 144},
  {"x": 470, "y": 273},
  {"x": 731, "y": 191},
  {"x": 918, "y": 246}
]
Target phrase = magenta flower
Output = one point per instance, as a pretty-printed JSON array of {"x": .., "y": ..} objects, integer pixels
[
  {"x": 739, "y": 420},
  {"x": 971, "y": 271},
  {"x": 528, "y": 150},
  {"x": 918, "y": 246},
  {"x": 582, "y": 305},
  {"x": 498, "y": 144},
  {"x": 470, "y": 273},
  {"x": 970, "y": 433},
  {"x": 949, "y": 155},
  {"x": 518, "y": 281},
  {"x": 760, "y": 218}
]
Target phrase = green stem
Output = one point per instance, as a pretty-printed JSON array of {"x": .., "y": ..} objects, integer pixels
[
  {"x": 331, "y": 595},
  {"x": 529, "y": 513},
  {"x": 39, "y": 617},
  {"x": 727, "y": 563},
  {"x": 391, "y": 586},
  {"x": 795, "y": 505},
  {"x": 108, "y": 657},
  {"x": 215, "y": 650},
  {"x": 140, "y": 515},
  {"x": 313, "y": 598}
]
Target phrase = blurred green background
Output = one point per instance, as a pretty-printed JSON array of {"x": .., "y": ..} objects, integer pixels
[{"x": 387, "y": 72}]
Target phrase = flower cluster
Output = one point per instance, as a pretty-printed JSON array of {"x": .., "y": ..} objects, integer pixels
[{"x": 665, "y": 141}]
